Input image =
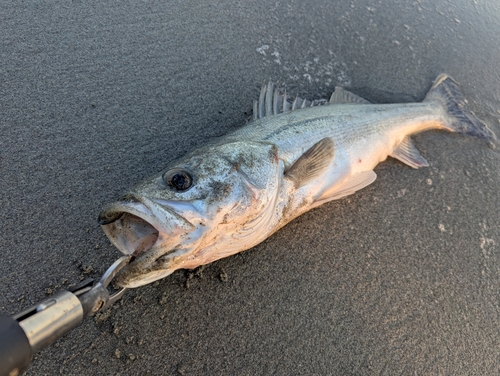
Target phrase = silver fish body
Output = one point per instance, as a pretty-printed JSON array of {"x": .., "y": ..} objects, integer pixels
[{"x": 232, "y": 194}]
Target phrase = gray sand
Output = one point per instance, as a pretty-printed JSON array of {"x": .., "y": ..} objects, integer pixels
[{"x": 400, "y": 278}]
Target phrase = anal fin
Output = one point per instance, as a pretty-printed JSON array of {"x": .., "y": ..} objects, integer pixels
[
  {"x": 407, "y": 153},
  {"x": 354, "y": 183},
  {"x": 312, "y": 163}
]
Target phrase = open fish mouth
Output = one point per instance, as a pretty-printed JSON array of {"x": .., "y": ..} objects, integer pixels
[{"x": 143, "y": 228}]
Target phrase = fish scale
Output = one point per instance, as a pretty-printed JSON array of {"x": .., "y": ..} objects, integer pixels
[{"x": 347, "y": 125}]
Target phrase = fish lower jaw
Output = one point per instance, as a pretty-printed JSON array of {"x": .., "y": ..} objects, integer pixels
[
  {"x": 132, "y": 279},
  {"x": 151, "y": 267}
]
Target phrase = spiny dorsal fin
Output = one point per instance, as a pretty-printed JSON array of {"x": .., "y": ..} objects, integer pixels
[
  {"x": 340, "y": 95},
  {"x": 260, "y": 104},
  {"x": 296, "y": 103},
  {"x": 274, "y": 101},
  {"x": 407, "y": 153},
  {"x": 269, "y": 99},
  {"x": 312, "y": 163}
]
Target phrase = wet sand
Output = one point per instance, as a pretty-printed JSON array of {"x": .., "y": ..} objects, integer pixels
[{"x": 400, "y": 278}]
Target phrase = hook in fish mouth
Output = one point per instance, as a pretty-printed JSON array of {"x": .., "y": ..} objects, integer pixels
[{"x": 142, "y": 227}]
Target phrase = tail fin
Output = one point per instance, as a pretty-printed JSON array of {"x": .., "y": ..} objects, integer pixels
[{"x": 446, "y": 91}]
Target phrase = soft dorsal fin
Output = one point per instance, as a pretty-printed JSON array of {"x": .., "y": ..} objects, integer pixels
[
  {"x": 274, "y": 101},
  {"x": 351, "y": 185},
  {"x": 340, "y": 95},
  {"x": 407, "y": 153},
  {"x": 312, "y": 163}
]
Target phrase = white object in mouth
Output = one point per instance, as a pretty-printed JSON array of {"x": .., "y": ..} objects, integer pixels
[
  {"x": 142, "y": 225},
  {"x": 131, "y": 234}
]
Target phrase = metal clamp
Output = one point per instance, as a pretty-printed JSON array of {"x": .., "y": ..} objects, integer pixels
[{"x": 98, "y": 297}]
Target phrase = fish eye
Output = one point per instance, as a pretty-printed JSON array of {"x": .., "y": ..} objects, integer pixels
[{"x": 178, "y": 179}]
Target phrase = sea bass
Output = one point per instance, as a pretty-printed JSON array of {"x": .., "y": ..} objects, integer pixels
[{"x": 231, "y": 194}]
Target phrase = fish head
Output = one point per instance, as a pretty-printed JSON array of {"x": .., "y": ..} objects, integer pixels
[{"x": 200, "y": 209}]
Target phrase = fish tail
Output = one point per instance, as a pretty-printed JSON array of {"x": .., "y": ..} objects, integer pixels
[{"x": 446, "y": 91}]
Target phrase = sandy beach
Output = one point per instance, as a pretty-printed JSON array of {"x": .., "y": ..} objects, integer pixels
[{"x": 400, "y": 278}]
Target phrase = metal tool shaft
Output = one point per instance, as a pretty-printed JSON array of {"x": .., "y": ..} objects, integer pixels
[
  {"x": 37, "y": 327},
  {"x": 54, "y": 317}
]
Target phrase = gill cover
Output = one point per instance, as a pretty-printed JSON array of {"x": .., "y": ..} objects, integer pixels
[{"x": 244, "y": 218}]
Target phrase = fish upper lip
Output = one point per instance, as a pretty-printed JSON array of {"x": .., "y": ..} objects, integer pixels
[
  {"x": 143, "y": 208},
  {"x": 149, "y": 211}
]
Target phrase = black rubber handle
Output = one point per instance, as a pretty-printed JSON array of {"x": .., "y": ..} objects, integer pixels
[{"x": 15, "y": 349}]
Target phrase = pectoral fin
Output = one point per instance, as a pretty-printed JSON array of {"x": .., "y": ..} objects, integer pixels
[
  {"x": 407, "y": 153},
  {"x": 312, "y": 163},
  {"x": 353, "y": 184}
]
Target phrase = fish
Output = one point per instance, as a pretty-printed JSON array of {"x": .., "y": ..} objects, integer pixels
[{"x": 294, "y": 156}]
